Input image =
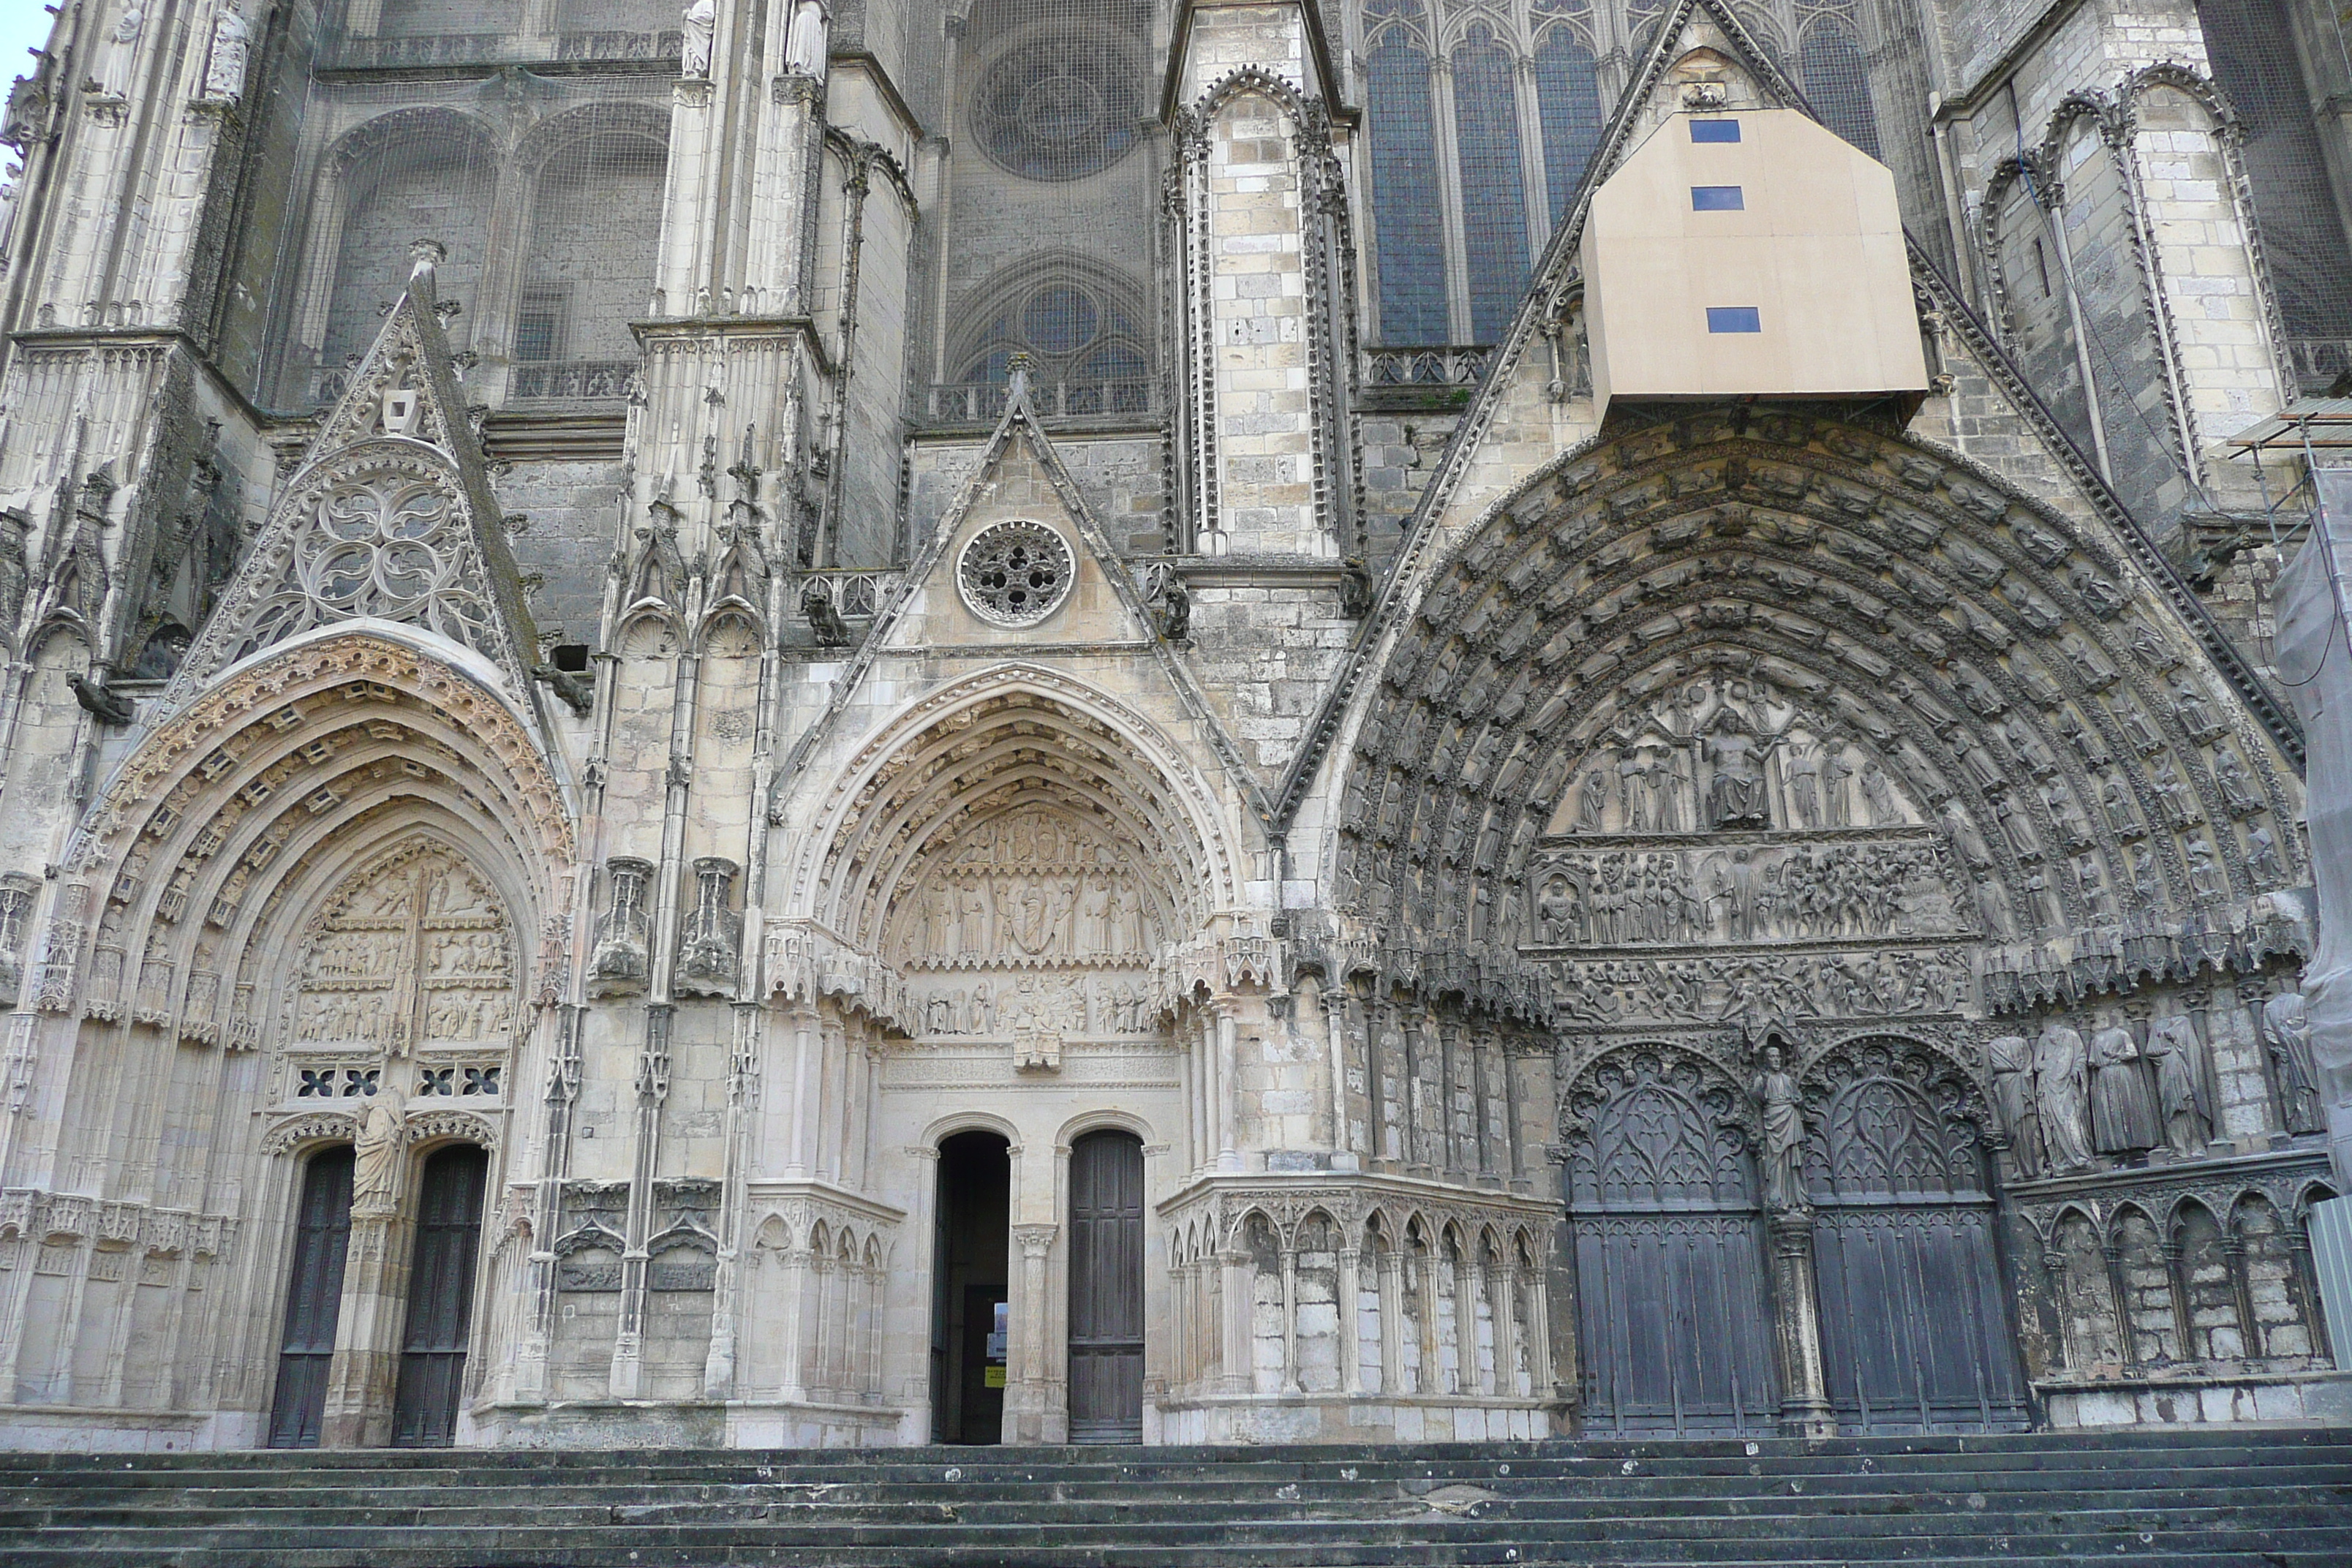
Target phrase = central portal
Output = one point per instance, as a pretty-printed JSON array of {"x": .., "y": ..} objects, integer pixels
[{"x": 970, "y": 1289}]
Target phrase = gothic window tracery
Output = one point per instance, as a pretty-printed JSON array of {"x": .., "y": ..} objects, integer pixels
[
  {"x": 1082, "y": 331},
  {"x": 595, "y": 208}
]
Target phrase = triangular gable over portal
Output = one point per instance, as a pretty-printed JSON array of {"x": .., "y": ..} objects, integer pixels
[
  {"x": 390, "y": 518},
  {"x": 900, "y": 627},
  {"x": 1556, "y": 279}
]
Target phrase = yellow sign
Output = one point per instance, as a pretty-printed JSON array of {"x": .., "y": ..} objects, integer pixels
[{"x": 993, "y": 1377}]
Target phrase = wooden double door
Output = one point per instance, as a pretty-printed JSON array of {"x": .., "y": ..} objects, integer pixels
[{"x": 436, "y": 1327}]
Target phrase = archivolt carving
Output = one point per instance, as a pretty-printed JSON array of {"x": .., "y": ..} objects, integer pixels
[
  {"x": 1040, "y": 748},
  {"x": 2025, "y": 689},
  {"x": 314, "y": 1127}
]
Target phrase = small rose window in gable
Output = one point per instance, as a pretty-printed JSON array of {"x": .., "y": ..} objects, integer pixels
[{"x": 1015, "y": 574}]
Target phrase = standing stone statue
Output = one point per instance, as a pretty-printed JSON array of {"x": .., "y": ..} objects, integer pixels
[
  {"x": 380, "y": 1148},
  {"x": 2011, "y": 1059},
  {"x": 1782, "y": 1157},
  {"x": 805, "y": 46},
  {"x": 2286, "y": 1019},
  {"x": 123, "y": 52},
  {"x": 1593, "y": 799},
  {"x": 701, "y": 21},
  {"x": 2178, "y": 1057},
  {"x": 2123, "y": 1113},
  {"x": 225, "y": 68},
  {"x": 2058, "y": 1099}
]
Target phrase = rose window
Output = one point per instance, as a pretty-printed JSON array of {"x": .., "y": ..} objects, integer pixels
[
  {"x": 1015, "y": 574},
  {"x": 1060, "y": 108}
]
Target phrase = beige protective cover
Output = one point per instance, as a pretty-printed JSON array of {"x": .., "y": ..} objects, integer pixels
[{"x": 1817, "y": 250}]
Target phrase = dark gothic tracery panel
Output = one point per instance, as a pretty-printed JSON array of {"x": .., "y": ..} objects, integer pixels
[
  {"x": 1672, "y": 1318},
  {"x": 1914, "y": 1333}
]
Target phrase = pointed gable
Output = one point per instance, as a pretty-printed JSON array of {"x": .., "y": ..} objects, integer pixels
[{"x": 389, "y": 518}]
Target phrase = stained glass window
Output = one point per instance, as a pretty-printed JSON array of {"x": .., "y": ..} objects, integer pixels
[
  {"x": 1406, "y": 211},
  {"x": 2252, "y": 46},
  {"x": 1493, "y": 195},
  {"x": 1568, "y": 97},
  {"x": 1837, "y": 82}
]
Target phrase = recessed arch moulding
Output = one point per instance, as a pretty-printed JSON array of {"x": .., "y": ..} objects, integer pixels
[{"x": 222, "y": 958}]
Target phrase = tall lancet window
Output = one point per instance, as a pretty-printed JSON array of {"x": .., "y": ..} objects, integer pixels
[
  {"x": 1493, "y": 179},
  {"x": 1568, "y": 94},
  {"x": 1836, "y": 79},
  {"x": 595, "y": 216},
  {"x": 1408, "y": 207}
]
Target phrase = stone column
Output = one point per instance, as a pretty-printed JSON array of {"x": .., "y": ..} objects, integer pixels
[
  {"x": 1391, "y": 1264},
  {"x": 365, "y": 1371},
  {"x": 1290, "y": 1384},
  {"x": 1804, "y": 1391},
  {"x": 1236, "y": 1371},
  {"x": 1351, "y": 1305},
  {"x": 1033, "y": 1408}
]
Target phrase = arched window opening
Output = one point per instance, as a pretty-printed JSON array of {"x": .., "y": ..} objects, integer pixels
[
  {"x": 1493, "y": 191},
  {"x": 436, "y": 186},
  {"x": 1085, "y": 337},
  {"x": 1836, "y": 81},
  {"x": 589, "y": 269},
  {"x": 1406, "y": 209}
]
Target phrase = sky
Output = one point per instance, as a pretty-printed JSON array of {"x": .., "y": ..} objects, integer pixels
[{"x": 24, "y": 25}]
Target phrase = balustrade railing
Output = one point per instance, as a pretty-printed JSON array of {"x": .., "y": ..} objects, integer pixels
[
  {"x": 2319, "y": 363},
  {"x": 473, "y": 48},
  {"x": 1444, "y": 365},
  {"x": 856, "y": 594},
  {"x": 983, "y": 402},
  {"x": 576, "y": 378}
]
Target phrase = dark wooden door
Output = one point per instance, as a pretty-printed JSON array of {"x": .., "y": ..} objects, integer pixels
[
  {"x": 314, "y": 1297},
  {"x": 1106, "y": 1289},
  {"x": 1914, "y": 1333},
  {"x": 440, "y": 1298},
  {"x": 1674, "y": 1324}
]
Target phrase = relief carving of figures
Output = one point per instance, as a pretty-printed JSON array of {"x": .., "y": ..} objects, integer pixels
[
  {"x": 1734, "y": 987},
  {"x": 2287, "y": 1021},
  {"x": 225, "y": 67},
  {"x": 709, "y": 947},
  {"x": 2011, "y": 1062},
  {"x": 2178, "y": 1057},
  {"x": 1748, "y": 893},
  {"x": 2060, "y": 1061},
  {"x": 2123, "y": 1113},
  {"x": 1781, "y": 1156}
]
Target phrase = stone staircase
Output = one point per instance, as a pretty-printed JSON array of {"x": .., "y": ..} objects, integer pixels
[{"x": 2279, "y": 1497}]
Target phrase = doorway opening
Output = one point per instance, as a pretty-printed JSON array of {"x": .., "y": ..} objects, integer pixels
[
  {"x": 440, "y": 1298},
  {"x": 314, "y": 1299},
  {"x": 1106, "y": 1289},
  {"x": 969, "y": 1273}
]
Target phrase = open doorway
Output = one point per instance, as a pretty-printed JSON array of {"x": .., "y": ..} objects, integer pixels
[{"x": 968, "y": 1296}]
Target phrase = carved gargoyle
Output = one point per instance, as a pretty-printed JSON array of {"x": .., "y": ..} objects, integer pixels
[
  {"x": 101, "y": 704},
  {"x": 824, "y": 619},
  {"x": 579, "y": 692}
]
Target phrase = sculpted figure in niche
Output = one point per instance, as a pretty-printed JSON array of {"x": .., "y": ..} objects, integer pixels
[
  {"x": 2010, "y": 1060},
  {"x": 1782, "y": 1156},
  {"x": 2263, "y": 856},
  {"x": 1096, "y": 935},
  {"x": 378, "y": 1152},
  {"x": 1836, "y": 768},
  {"x": 2205, "y": 874},
  {"x": 1965, "y": 841},
  {"x": 700, "y": 21},
  {"x": 2287, "y": 1020},
  {"x": 1878, "y": 794},
  {"x": 2123, "y": 1114},
  {"x": 2178, "y": 1057},
  {"x": 805, "y": 46},
  {"x": 1736, "y": 792},
  {"x": 1629, "y": 789},
  {"x": 2230, "y": 777},
  {"x": 2058, "y": 1097},
  {"x": 1561, "y": 911},
  {"x": 972, "y": 911},
  {"x": 1129, "y": 922}
]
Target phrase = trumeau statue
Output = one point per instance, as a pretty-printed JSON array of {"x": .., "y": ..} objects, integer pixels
[
  {"x": 1782, "y": 1159},
  {"x": 381, "y": 1147}
]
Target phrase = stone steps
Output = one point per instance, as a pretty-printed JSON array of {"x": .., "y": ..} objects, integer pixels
[{"x": 2200, "y": 1499}]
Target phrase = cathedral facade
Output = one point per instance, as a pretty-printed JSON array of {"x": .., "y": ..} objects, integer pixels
[{"x": 1193, "y": 721}]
